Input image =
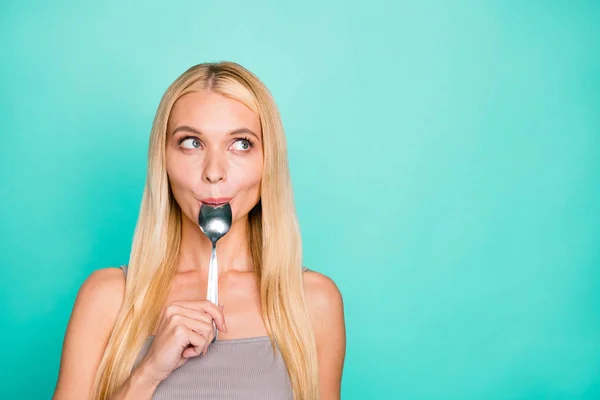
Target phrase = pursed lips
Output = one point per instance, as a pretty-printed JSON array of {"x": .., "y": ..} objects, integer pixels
[{"x": 215, "y": 201}]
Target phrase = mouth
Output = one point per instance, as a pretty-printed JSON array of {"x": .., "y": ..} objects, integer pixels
[{"x": 216, "y": 201}]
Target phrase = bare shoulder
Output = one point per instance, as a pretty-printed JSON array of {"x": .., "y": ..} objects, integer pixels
[
  {"x": 325, "y": 305},
  {"x": 103, "y": 290},
  {"x": 94, "y": 314},
  {"x": 326, "y": 309},
  {"x": 99, "y": 298},
  {"x": 322, "y": 293}
]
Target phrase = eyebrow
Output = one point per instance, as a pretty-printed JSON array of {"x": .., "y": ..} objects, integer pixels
[{"x": 187, "y": 128}]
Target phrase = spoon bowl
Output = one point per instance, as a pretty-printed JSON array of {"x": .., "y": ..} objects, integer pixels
[{"x": 215, "y": 221}]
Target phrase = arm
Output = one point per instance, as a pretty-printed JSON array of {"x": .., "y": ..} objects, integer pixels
[
  {"x": 137, "y": 386},
  {"x": 94, "y": 314},
  {"x": 326, "y": 309}
]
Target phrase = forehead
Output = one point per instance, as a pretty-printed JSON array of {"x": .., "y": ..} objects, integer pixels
[{"x": 209, "y": 111}]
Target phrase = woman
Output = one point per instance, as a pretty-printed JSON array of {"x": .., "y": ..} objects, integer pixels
[{"x": 146, "y": 330}]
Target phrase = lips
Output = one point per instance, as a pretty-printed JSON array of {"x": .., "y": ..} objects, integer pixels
[{"x": 216, "y": 201}]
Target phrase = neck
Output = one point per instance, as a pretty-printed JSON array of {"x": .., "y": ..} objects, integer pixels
[{"x": 233, "y": 252}]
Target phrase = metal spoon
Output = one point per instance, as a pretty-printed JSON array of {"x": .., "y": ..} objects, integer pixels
[{"x": 214, "y": 222}]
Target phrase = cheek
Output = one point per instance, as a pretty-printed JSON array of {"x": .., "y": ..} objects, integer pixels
[
  {"x": 180, "y": 178},
  {"x": 248, "y": 176}
]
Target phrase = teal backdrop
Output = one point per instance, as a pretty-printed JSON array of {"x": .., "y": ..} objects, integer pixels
[{"x": 444, "y": 157}]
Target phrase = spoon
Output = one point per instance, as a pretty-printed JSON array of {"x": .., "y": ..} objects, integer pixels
[{"x": 214, "y": 222}]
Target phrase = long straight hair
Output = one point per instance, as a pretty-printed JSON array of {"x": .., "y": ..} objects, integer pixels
[{"x": 273, "y": 234}]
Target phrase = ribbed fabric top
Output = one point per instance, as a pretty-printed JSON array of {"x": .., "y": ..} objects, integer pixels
[{"x": 244, "y": 368}]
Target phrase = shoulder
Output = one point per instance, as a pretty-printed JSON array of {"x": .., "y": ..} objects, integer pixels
[
  {"x": 325, "y": 304},
  {"x": 102, "y": 291},
  {"x": 326, "y": 309},
  {"x": 321, "y": 290},
  {"x": 92, "y": 319},
  {"x": 98, "y": 302}
]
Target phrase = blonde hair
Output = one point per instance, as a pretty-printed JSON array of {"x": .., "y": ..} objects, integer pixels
[{"x": 273, "y": 233}]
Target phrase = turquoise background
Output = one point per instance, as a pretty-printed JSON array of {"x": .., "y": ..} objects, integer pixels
[{"x": 451, "y": 147}]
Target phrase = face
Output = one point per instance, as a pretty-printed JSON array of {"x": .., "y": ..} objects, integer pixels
[{"x": 214, "y": 150}]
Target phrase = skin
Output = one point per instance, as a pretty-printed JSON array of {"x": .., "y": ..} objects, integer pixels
[{"x": 212, "y": 162}]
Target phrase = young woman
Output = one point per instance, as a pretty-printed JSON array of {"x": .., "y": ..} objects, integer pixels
[{"x": 145, "y": 330}]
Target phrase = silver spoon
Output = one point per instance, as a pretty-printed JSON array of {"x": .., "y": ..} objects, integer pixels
[{"x": 214, "y": 222}]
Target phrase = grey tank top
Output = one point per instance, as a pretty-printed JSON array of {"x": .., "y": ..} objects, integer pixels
[{"x": 244, "y": 368}]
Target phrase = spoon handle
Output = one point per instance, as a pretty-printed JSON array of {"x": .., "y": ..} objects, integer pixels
[{"x": 213, "y": 290}]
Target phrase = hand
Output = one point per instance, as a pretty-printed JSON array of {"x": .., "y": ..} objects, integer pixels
[{"x": 185, "y": 331}]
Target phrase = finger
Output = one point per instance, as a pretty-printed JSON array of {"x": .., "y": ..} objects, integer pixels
[
  {"x": 209, "y": 336},
  {"x": 195, "y": 325},
  {"x": 209, "y": 340},
  {"x": 187, "y": 337},
  {"x": 189, "y": 332},
  {"x": 190, "y": 352},
  {"x": 215, "y": 312},
  {"x": 200, "y": 315},
  {"x": 198, "y": 344},
  {"x": 207, "y": 306}
]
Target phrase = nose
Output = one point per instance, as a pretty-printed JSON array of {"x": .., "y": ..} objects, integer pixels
[{"x": 214, "y": 168}]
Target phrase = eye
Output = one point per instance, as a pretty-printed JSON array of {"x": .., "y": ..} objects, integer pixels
[
  {"x": 195, "y": 143},
  {"x": 246, "y": 144}
]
